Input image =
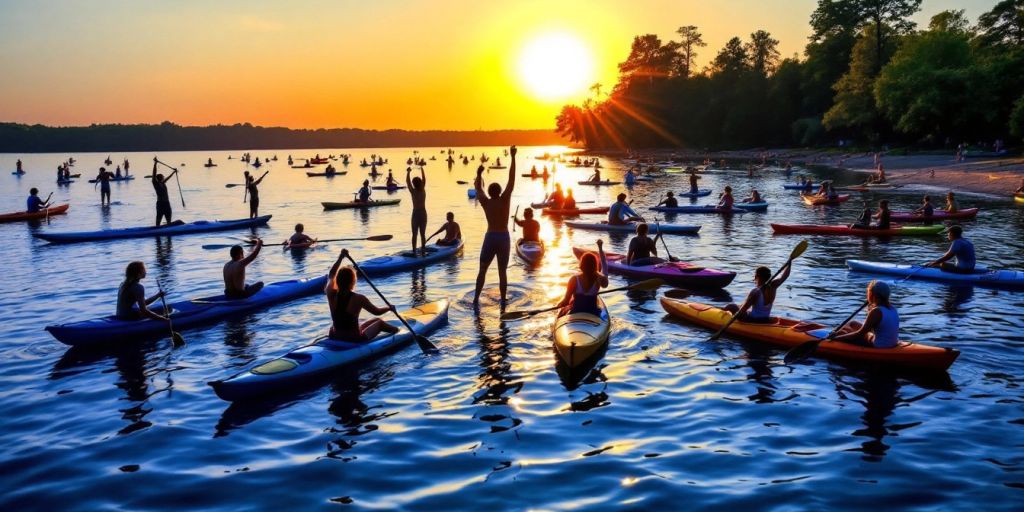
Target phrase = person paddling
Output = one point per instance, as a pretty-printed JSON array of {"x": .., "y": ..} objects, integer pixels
[
  {"x": 596, "y": 177},
  {"x": 234, "y": 272},
  {"x": 497, "y": 242},
  {"x": 163, "y": 201},
  {"x": 670, "y": 200},
  {"x": 582, "y": 289},
  {"x": 531, "y": 228},
  {"x": 452, "y": 231},
  {"x": 883, "y": 215},
  {"x": 299, "y": 237},
  {"x": 881, "y": 327},
  {"x": 391, "y": 181},
  {"x": 693, "y": 181},
  {"x": 643, "y": 250},
  {"x": 345, "y": 305},
  {"x": 927, "y": 210},
  {"x": 103, "y": 178},
  {"x": 960, "y": 249},
  {"x": 364, "y": 192},
  {"x": 33, "y": 203},
  {"x": 619, "y": 213},
  {"x": 727, "y": 201},
  {"x": 418, "y": 191},
  {"x": 254, "y": 193},
  {"x": 17, "y": 167},
  {"x": 132, "y": 303},
  {"x": 755, "y": 197},
  {"x": 757, "y": 307}
]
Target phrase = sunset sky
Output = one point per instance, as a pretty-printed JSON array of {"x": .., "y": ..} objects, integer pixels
[{"x": 413, "y": 64}]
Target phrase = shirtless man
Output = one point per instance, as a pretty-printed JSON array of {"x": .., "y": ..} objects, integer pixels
[
  {"x": 234, "y": 273},
  {"x": 163, "y": 200},
  {"x": 452, "y": 231},
  {"x": 531, "y": 228},
  {"x": 418, "y": 190},
  {"x": 497, "y": 242}
]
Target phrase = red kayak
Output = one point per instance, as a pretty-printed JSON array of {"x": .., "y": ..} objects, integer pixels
[
  {"x": 53, "y": 210},
  {"x": 814, "y": 200},
  {"x": 818, "y": 229},
  {"x": 574, "y": 211},
  {"x": 968, "y": 213}
]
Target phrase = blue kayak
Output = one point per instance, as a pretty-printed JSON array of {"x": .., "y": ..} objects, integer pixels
[
  {"x": 710, "y": 208},
  {"x": 184, "y": 314},
  {"x": 405, "y": 260},
  {"x": 797, "y": 186},
  {"x": 199, "y": 226},
  {"x": 305, "y": 364},
  {"x": 699, "y": 193},
  {"x": 759, "y": 206},
  {"x": 122, "y": 178},
  {"x": 1012, "y": 279}
]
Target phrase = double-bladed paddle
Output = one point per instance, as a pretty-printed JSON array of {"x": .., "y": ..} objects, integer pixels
[
  {"x": 425, "y": 345},
  {"x": 374, "y": 238},
  {"x": 648, "y": 285}
]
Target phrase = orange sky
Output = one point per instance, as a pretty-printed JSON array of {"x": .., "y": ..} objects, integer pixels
[{"x": 413, "y": 64}]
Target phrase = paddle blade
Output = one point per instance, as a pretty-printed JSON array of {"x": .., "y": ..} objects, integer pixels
[
  {"x": 426, "y": 346},
  {"x": 678, "y": 293},
  {"x": 217, "y": 246},
  {"x": 798, "y": 250},
  {"x": 515, "y": 315},
  {"x": 801, "y": 351},
  {"x": 380, "y": 238},
  {"x": 177, "y": 340}
]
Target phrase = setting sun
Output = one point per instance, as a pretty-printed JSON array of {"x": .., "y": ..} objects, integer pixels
[{"x": 556, "y": 66}]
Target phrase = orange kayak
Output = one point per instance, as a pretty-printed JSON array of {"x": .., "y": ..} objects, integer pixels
[
  {"x": 53, "y": 210},
  {"x": 814, "y": 200},
  {"x": 574, "y": 211},
  {"x": 790, "y": 333}
]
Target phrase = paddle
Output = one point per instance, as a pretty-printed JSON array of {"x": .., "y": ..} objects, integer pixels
[
  {"x": 671, "y": 258},
  {"x": 514, "y": 219},
  {"x": 797, "y": 251},
  {"x": 461, "y": 182},
  {"x": 648, "y": 285},
  {"x": 808, "y": 348},
  {"x": 46, "y": 206},
  {"x": 374, "y": 238},
  {"x": 176, "y": 338},
  {"x": 425, "y": 345},
  {"x": 233, "y": 185},
  {"x": 176, "y": 178}
]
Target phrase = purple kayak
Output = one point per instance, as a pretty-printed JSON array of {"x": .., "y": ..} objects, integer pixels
[{"x": 677, "y": 273}]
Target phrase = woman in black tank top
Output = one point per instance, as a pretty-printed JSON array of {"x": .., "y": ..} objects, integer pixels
[{"x": 345, "y": 306}]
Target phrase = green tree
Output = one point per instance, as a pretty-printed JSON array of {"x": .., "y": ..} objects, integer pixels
[
  {"x": 690, "y": 40},
  {"x": 854, "y": 106},
  {"x": 837, "y": 15},
  {"x": 950, "y": 21},
  {"x": 763, "y": 52},
  {"x": 1003, "y": 25},
  {"x": 731, "y": 59}
]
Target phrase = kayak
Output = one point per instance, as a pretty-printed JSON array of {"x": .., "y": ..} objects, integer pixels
[
  {"x": 498, "y": 167},
  {"x": 1013, "y": 279},
  {"x": 818, "y": 229},
  {"x": 41, "y": 214},
  {"x": 360, "y": 204},
  {"x": 471, "y": 193},
  {"x": 668, "y": 229},
  {"x": 326, "y": 175},
  {"x": 389, "y": 189},
  {"x": 599, "y": 183},
  {"x": 306, "y": 245},
  {"x": 968, "y": 213},
  {"x": 65, "y": 182},
  {"x": 678, "y": 273},
  {"x": 1019, "y": 198},
  {"x": 813, "y": 200},
  {"x": 530, "y": 252},
  {"x": 797, "y": 186},
  {"x": 709, "y": 208},
  {"x": 405, "y": 260},
  {"x": 869, "y": 186},
  {"x": 185, "y": 314},
  {"x": 304, "y": 364},
  {"x": 790, "y": 333},
  {"x": 699, "y": 193},
  {"x": 199, "y": 226},
  {"x": 209, "y": 165},
  {"x": 537, "y": 177},
  {"x": 580, "y": 336},
  {"x": 122, "y": 178},
  {"x": 574, "y": 211}
]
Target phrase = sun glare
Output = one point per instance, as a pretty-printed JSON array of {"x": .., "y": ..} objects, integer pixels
[{"x": 556, "y": 66}]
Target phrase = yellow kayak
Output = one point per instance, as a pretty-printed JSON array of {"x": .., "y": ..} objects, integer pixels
[
  {"x": 1018, "y": 198},
  {"x": 579, "y": 336}
]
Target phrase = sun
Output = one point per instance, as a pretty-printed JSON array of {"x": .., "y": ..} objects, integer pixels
[{"x": 556, "y": 66}]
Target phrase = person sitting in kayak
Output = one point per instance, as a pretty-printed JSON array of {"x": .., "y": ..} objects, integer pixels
[
  {"x": 345, "y": 305},
  {"x": 927, "y": 209},
  {"x": 418, "y": 192},
  {"x": 755, "y": 197},
  {"x": 757, "y": 307},
  {"x": 952, "y": 205},
  {"x": 531, "y": 228},
  {"x": 670, "y": 200},
  {"x": 962, "y": 249},
  {"x": 619, "y": 213},
  {"x": 117, "y": 173},
  {"x": 823, "y": 189},
  {"x": 596, "y": 177},
  {"x": 881, "y": 327},
  {"x": 864, "y": 221},
  {"x": 17, "y": 167},
  {"x": 330, "y": 170},
  {"x": 545, "y": 174},
  {"x": 234, "y": 272},
  {"x": 364, "y": 192},
  {"x": 131, "y": 295},
  {"x": 832, "y": 194},
  {"x": 391, "y": 182},
  {"x": 452, "y": 231},
  {"x": 643, "y": 250},
  {"x": 883, "y": 215},
  {"x": 693, "y": 182},
  {"x": 555, "y": 198},
  {"x": 299, "y": 237},
  {"x": 33, "y": 203},
  {"x": 163, "y": 200},
  {"x": 727, "y": 201},
  {"x": 630, "y": 176},
  {"x": 569, "y": 202},
  {"x": 582, "y": 289}
]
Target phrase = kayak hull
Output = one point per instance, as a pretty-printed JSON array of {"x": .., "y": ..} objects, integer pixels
[
  {"x": 305, "y": 364},
  {"x": 668, "y": 229},
  {"x": 579, "y": 337},
  {"x": 677, "y": 273},
  {"x": 709, "y": 209},
  {"x": 1006, "y": 279},
  {"x": 185, "y": 315},
  {"x": 530, "y": 252},
  {"x": 817, "y": 229},
  {"x": 404, "y": 261},
  {"x": 790, "y": 333},
  {"x": 326, "y": 175},
  {"x": 389, "y": 189},
  {"x": 355, "y": 204},
  {"x": 554, "y": 212},
  {"x": 704, "y": 192},
  {"x": 201, "y": 226},
  {"x": 812, "y": 200},
  {"x": 599, "y": 183},
  {"x": 41, "y": 214},
  {"x": 123, "y": 178},
  {"x": 937, "y": 215}
]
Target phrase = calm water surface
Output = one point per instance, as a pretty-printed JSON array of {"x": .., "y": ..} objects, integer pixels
[{"x": 665, "y": 420}]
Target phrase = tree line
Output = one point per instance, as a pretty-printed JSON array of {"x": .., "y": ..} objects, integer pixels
[
  {"x": 868, "y": 75},
  {"x": 22, "y": 138}
]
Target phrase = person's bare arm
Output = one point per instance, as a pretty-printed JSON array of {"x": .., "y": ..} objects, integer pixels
[
  {"x": 783, "y": 276},
  {"x": 423, "y": 176},
  {"x": 568, "y": 292},
  {"x": 478, "y": 185},
  {"x": 253, "y": 253},
  {"x": 872, "y": 320},
  {"x": 145, "y": 311},
  {"x": 408, "y": 179},
  {"x": 371, "y": 307},
  {"x": 511, "y": 172}
]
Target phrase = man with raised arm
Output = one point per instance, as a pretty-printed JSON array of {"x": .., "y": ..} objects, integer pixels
[{"x": 497, "y": 242}]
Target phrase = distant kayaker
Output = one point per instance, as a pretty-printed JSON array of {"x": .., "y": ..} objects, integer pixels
[
  {"x": 531, "y": 228},
  {"x": 103, "y": 178},
  {"x": 881, "y": 327},
  {"x": 452, "y": 231},
  {"x": 960, "y": 249},
  {"x": 596, "y": 177},
  {"x": 582, "y": 289},
  {"x": 497, "y": 243},
  {"x": 33, "y": 203},
  {"x": 163, "y": 201},
  {"x": 17, "y": 167},
  {"x": 927, "y": 209},
  {"x": 630, "y": 177},
  {"x": 418, "y": 192},
  {"x": 132, "y": 303},
  {"x": 234, "y": 272},
  {"x": 670, "y": 201},
  {"x": 1020, "y": 189},
  {"x": 642, "y": 249},
  {"x": 345, "y": 305},
  {"x": 391, "y": 181},
  {"x": 569, "y": 202},
  {"x": 555, "y": 198},
  {"x": 693, "y": 182},
  {"x": 209, "y": 162},
  {"x": 117, "y": 173},
  {"x": 364, "y": 192},
  {"x": 864, "y": 221},
  {"x": 883, "y": 215},
  {"x": 727, "y": 201},
  {"x": 757, "y": 307},
  {"x": 254, "y": 193},
  {"x": 620, "y": 213},
  {"x": 755, "y": 197},
  {"x": 952, "y": 205},
  {"x": 299, "y": 237}
]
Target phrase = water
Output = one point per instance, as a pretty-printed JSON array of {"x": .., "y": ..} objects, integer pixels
[{"x": 665, "y": 420}]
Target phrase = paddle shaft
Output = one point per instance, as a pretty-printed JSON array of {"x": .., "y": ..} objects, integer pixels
[
  {"x": 552, "y": 308},
  {"x": 421, "y": 340},
  {"x": 167, "y": 312},
  {"x": 760, "y": 289},
  {"x": 176, "y": 179}
]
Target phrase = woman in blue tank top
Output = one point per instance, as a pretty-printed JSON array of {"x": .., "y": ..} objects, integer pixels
[
  {"x": 757, "y": 307},
  {"x": 881, "y": 328}
]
